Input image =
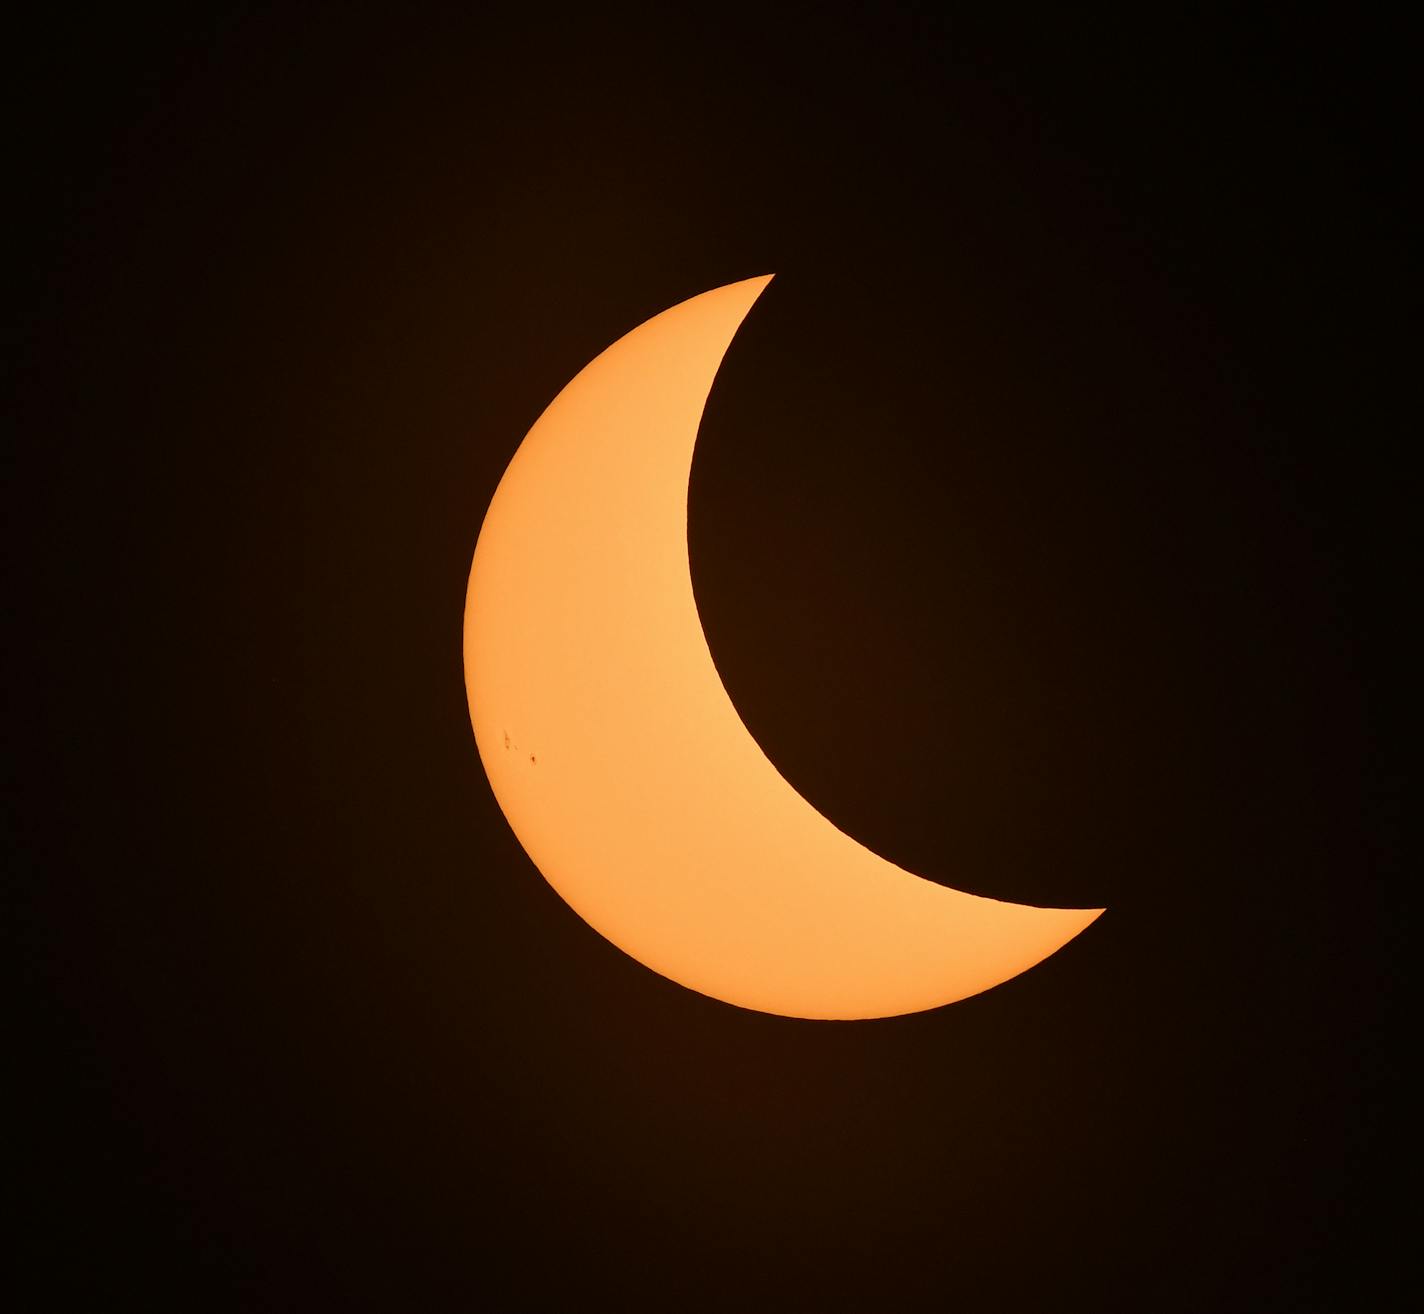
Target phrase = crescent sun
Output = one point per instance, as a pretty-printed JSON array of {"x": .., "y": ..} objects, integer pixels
[{"x": 618, "y": 758}]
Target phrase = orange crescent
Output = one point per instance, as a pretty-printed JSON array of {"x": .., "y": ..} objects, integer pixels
[{"x": 620, "y": 761}]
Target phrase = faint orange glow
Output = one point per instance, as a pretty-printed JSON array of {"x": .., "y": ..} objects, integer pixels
[{"x": 621, "y": 763}]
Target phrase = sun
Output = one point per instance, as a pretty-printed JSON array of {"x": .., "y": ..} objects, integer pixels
[{"x": 620, "y": 761}]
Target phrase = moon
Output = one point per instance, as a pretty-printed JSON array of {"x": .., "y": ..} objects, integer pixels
[{"x": 618, "y": 758}]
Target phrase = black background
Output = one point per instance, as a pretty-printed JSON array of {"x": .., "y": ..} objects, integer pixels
[{"x": 1039, "y": 531}]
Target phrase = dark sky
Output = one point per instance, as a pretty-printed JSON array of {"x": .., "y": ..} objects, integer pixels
[{"x": 1040, "y": 529}]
